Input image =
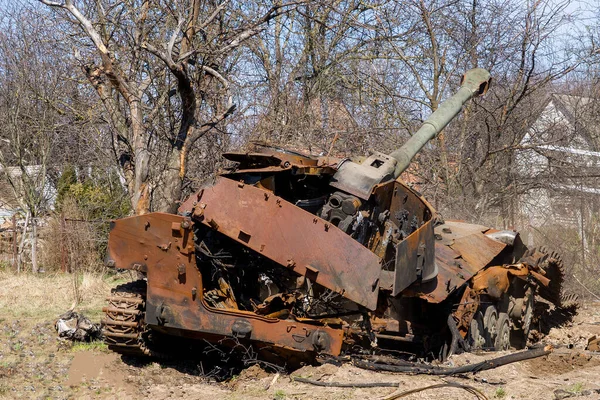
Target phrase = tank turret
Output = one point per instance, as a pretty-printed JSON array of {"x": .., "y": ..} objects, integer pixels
[{"x": 360, "y": 179}]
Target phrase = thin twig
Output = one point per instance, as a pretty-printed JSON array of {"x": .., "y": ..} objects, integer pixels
[
  {"x": 345, "y": 385},
  {"x": 583, "y": 286},
  {"x": 272, "y": 382},
  {"x": 469, "y": 389}
]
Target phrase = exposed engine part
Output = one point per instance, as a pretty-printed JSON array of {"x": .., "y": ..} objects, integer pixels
[{"x": 342, "y": 211}]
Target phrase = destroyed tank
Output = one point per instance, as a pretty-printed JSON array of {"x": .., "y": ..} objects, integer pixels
[{"x": 301, "y": 257}]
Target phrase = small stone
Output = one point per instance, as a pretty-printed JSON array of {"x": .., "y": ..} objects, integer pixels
[
  {"x": 560, "y": 394},
  {"x": 593, "y": 344}
]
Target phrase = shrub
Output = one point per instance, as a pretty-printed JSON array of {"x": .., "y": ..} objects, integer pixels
[{"x": 76, "y": 235}]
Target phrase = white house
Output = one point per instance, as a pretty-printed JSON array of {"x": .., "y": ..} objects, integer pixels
[
  {"x": 558, "y": 161},
  {"x": 12, "y": 190}
]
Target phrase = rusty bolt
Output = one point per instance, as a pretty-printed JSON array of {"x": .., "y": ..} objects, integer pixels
[
  {"x": 266, "y": 196},
  {"x": 110, "y": 263},
  {"x": 194, "y": 292},
  {"x": 326, "y": 227},
  {"x": 181, "y": 269},
  {"x": 138, "y": 267},
  {"x": 164, "y": 247}
]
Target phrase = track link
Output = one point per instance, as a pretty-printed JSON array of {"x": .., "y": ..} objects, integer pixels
[{"x": 123, "y": 324}]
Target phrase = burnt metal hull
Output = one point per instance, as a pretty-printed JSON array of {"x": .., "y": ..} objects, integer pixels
[
  {"x": 318, "y": 255},
  {"x": 164, "y": 247}
]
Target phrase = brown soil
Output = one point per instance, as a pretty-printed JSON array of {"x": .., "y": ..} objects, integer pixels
[{"x": 34, "y": 364}]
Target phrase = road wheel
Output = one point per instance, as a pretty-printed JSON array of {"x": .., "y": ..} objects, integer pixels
[
  {"x": 476, "y": 332},
  {"x": 528, "y": 306},
  {"x": 520, "y": 333},
  {"x": 502, "y": 341},
  {"x": 490, "y": 322}
]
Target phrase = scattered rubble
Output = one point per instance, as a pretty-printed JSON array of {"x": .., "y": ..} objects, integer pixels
[{"x": 76, "y": 327}]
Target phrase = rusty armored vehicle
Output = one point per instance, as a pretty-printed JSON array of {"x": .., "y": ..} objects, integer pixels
[{"x": 303, "y": 257}]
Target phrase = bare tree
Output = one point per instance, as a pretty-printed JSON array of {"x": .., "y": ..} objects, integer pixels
[
  {"x": 160, "y": 69},
  {"x": 387, "y": 66},
  {"x": 35, "y": 116}
]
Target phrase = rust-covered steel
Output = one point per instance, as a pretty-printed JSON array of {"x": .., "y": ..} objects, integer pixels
[
  {"x": 290, "y": 236},
  {"x": 174, "y": 301},
  {"x": 298, "y": 256}
]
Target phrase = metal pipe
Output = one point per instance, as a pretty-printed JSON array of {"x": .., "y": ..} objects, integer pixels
[{"x": 474, "y": 83}]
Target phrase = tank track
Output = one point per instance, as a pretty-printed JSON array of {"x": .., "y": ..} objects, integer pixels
[{"x": 123, "y": 324}]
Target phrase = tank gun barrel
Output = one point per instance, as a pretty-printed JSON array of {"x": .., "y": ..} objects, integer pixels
[{"x": 475, "y": 82}]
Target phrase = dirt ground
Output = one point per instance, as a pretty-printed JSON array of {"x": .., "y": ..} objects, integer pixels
[{"x": 35, "y": 364}]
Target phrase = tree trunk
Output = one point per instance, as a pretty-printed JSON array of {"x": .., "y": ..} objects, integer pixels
[
  {"x": 22, "y": 245},
  {"x": 15, "y": 247},
  {"x": 33, "y": 239},
  {"x": 139, "y": 188},
  {"x": 167, "y": 194}
]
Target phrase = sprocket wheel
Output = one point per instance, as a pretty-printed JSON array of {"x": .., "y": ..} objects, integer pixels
[{"x": 553, "y": 268}]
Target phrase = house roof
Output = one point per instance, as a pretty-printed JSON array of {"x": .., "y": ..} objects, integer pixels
[
  {"x": 583, "y": 113},
  {"x": 570, "y": 150},
  {"x": 566, "y": 122}
]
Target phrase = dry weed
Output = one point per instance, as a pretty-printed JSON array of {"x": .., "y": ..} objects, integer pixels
[
  {"x": 41, "y": 296},
  {"x": 72, "y": 242}
]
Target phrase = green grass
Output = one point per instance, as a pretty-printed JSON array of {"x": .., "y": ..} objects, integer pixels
[
  {"x": 96, "y": 345},
  {"x": 500, "y": 393},
  {"x": 115, "y": 280},
  {"x": 576, "y": 388},
  {"x": 279, "y": 395}
]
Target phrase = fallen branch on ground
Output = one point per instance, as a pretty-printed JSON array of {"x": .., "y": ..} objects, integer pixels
[
  {"x": 417, "y": 368},
  {"x": 345, "y": 385}
]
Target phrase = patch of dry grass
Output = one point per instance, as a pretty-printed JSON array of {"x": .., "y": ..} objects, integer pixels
[{"x": 44, "y": 296}]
